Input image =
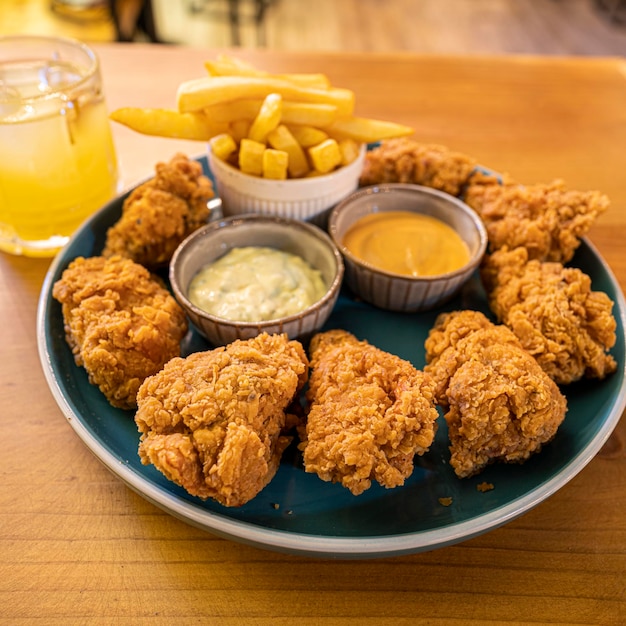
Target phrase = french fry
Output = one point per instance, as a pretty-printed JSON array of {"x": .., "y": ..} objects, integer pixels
[
  {"x": 307, "y": 136},
  {"x": 281, "y": 139},
  {"x": 236, "y": 62},
  {"x": 168, "y": 123},
  {"x": 325, "y": 156},
  {"x": 239, "y": 129},
  {"x": 238, "y": 110},
  {"x": 229, "y": 66},
  {"x": 303, "y": 113},
  {"x": 197, "y": 94},
  {"x": 316, "y": 81},
  {"x": 308, "y": 113},
  {"x": 251, "y": 157},
  {"x": 365, "y": 130},
  {"x": 349, "y": 150},
  {"x": 267, "y": 119},
  {"x": 275, "y": 164},
  {"x": 223, "y": 146}
]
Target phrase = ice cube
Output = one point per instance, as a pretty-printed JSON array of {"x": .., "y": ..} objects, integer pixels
[
  {"x": 9, "y": 101},
  {"x": 56, "y": 75}
]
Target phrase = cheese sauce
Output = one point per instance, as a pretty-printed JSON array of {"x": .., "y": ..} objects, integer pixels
[
  {"x": 407, "y": 243},
  {"x": 255, "y": 284}
]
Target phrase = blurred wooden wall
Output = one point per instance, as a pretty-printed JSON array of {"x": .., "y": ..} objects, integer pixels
[{"x": 560, "y": 27}]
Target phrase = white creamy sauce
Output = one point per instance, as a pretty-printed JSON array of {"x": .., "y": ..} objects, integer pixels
[{"x": 254, "y": 284}]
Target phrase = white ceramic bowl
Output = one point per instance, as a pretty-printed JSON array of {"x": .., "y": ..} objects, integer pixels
[
  {"x": 304, "y": 198},
  {"x": 396, "y": 292},
  {"x": 215, "y": 239}
]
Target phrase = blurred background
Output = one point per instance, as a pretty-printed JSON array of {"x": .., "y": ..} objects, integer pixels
[{"x": 553, "y": 27}]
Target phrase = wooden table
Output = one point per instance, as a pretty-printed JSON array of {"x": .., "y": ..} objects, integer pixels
[{"x": 77, "y": 546}]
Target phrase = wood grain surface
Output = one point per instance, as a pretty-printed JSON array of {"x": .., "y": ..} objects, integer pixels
[{"x": 78, "y": 547}]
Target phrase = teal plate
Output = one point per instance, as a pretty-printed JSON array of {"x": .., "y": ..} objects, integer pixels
[{"x": 299, "y": 513}]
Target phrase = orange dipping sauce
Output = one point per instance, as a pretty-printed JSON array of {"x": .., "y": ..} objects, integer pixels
[{"x": 407, "y": 243}]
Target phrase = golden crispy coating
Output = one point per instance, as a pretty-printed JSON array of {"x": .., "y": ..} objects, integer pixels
[
  {"x": 549, "y": 220},
  {"x": 159, "y": 214},
  {"x": 120, "y": 322},
  {"x": 500, "y": 405},
  {"x": 370, "y": 413},
  {"x": 554, "y": 313},
  {"x": 213, "y": 422},
  {"x": 404, "y": 160}
]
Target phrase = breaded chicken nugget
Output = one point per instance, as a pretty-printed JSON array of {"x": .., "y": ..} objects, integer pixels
[
  {"x": 159, "y": 214},
  {"x": 554, "y": 313},
  {"x": 120, "y": 322},
  {"x": 214, "y": 421},
  {"x": 370, "y": 413},
  {"x": 549, "y": 220},
  {"x": 404, "y": 160},
  {"x": 500, "y": 405}
]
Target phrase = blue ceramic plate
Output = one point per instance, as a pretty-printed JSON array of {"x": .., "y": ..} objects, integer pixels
[{"x": 297, "y": 512}]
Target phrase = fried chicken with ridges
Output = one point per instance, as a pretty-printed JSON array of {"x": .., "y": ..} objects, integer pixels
[
  {"x": 369, "y": 413},
  {"x": 214, "y": 422},
  {"x": 405, "y": 160},
  {"x": 160, "y": 213},
  {"x": 500, "y": 405},
  {"x": 554, "y": 313},
  {"x": 547, "y": 219},
  {"x": 121, "y": 323}
]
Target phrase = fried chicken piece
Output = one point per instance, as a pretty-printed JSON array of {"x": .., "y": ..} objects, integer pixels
[
  {"x": 369, "y": 414},
  {"x": 554, "y": 313},
  {"x": 160, "y": 213},
  {"x": 121, "y": 323},
  {"x": 500, "y": 405},
  {"x": 549, "y": 220},
  {"x": 213, "y": 422},
  {"x": 404, "y": 160}
]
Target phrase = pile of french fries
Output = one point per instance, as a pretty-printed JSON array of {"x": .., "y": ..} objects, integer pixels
[{"x": 276, "y": 126}]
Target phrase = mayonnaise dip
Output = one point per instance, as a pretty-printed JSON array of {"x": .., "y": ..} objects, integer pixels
[{"x": 255, "y": 284}]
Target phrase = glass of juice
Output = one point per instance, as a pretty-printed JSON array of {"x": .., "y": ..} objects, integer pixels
[{"x": 57, "y": 159}]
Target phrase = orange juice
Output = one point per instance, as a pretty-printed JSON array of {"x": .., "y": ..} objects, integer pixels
[{"x": 57, "y": 160}]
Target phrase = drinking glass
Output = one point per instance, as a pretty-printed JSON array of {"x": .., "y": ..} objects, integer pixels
[{"x": 57, "y": 158}]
